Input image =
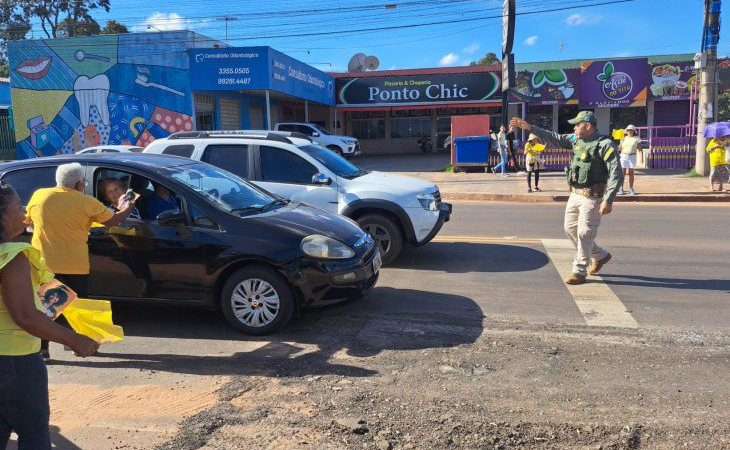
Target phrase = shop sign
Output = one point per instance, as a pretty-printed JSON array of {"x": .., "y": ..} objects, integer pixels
[
  {"x": 258, "y": 68},
  {"x": 418, "y": 89},
  {"x": 547, "y": 86},
  {"x": 613, "y": 83},
  {"x": 671, "y": 81}
]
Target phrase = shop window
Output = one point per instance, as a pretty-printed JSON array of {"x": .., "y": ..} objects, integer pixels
[
  {"x": 566, "y": 113},
  {"x": 540, "y": 115},
  {"x": 410, "y": 127},
  {"x": 622, "y": 117},
  {"x": 368, "y": 128}
]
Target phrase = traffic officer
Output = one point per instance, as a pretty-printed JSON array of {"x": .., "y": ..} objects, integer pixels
[{"x": 594, "y": 177}]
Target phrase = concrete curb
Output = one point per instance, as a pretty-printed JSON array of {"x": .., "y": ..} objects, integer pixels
[{"x": 542, "y": 198}]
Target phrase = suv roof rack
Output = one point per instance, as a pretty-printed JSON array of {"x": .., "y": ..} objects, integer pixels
[{"x": 250, "y": 134}]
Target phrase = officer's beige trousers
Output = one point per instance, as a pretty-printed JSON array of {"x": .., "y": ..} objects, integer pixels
[{"x": 582, "y": 218}]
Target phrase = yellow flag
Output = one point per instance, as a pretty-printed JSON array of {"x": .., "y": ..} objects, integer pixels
[
  {"x": 618, "y": 134},
  {"x": 93, "y": 318}
]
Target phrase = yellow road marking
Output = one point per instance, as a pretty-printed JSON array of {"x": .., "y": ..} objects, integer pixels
[{"x": 595, "y": 299}]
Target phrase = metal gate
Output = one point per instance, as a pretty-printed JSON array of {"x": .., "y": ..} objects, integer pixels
[
  {"x": 255, "y": 116},
  {"x": 230, "y": 114},
  {"x": 7, "y": 139}
]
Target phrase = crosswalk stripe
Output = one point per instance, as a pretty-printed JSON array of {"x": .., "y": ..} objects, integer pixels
[{"x": 595, "y": 299}]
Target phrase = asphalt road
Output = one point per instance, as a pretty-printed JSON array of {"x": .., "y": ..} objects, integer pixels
[{"x": 486, "y": 294}]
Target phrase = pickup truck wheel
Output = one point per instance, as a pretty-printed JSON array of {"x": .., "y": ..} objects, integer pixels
[
  {"x": 336, "y": 149},
  {"x": 386, "y": 234},
  {"x": 257, "y": 300}
]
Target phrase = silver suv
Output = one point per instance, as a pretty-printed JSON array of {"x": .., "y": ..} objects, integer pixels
[{"x": 346, "y": 146}]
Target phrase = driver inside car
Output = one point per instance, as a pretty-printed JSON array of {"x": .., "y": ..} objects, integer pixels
[{"x": 159, "y": 201}]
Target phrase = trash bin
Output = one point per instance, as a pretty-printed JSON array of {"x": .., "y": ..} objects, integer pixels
[{"x": 472, "y": 151}]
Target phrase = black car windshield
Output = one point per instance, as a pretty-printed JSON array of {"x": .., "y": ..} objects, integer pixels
[
  {"x": 222, "y": 188},
  {"x": 334, "y": 162}
]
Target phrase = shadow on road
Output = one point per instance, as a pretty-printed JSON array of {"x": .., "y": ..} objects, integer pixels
[
  {"x": 668, "y": 283},
  {"x": 58, "y": 441},
  {"x": 465, "y": 257},
  {"x": 387, "y": 319}
]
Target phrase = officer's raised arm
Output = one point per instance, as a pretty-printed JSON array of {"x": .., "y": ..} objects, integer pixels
[{"x": 558, "y": 140}]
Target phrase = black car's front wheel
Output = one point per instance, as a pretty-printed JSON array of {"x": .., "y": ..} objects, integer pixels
[{"x": 257, "y": 300}]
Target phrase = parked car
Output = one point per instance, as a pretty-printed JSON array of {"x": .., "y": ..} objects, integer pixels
[
  {"x": 110, "y": 149},
  {"x": 395, "y": 210},
  {"x": 346, "y": 146},
  {"x": 232, "y": 245}
]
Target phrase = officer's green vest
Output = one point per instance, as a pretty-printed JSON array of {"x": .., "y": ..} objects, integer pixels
[{"x": 587, "y": 167}]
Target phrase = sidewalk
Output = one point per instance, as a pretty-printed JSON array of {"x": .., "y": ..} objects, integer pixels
[{"x": 652, "y": 185}]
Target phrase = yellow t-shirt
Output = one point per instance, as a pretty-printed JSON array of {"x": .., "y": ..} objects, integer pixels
[
  {"x": 629, "y": 145},
  {"x": 534, "y": 150},
  {"x": 717, "y": 156},
  {"x": 14, "y": 341},
  {"x": 61, "y": 219}
]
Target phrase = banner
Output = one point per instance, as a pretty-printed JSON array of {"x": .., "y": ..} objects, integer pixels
[
  {"x": 418, "y": 89},
  {"x": 671, "y": 81},
  {"x": 547, "y": 87},
  {"x": 613, "y": 83}
]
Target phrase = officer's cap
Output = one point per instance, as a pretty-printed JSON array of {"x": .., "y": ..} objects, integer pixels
[{"x": 584, "y": 116}]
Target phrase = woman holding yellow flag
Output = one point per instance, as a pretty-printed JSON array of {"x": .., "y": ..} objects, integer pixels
[
  {"x": 534, "y": 161},
  {"x": 24, "y": 405}
]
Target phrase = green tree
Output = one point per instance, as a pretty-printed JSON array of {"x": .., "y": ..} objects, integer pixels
[
  {"x": 114, "y": 27},
  {"x": 53, "y": 13},
  {"x": 68, "y": 28},
  {"x": 723, "y": 107},
  {"x": 488, "y": 60},
  {"x": 13, "y": 26}
]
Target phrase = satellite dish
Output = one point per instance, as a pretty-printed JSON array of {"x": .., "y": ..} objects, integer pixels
[
  {"x": 372, "y": 63},
  {"x": 357, "y": 63}
]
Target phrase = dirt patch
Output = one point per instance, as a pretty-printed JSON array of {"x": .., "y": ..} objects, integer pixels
[{"x": 518, "y": 386}]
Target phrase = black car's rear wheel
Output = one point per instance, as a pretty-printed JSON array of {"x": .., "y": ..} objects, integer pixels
[{"x": 257, "y": 300}]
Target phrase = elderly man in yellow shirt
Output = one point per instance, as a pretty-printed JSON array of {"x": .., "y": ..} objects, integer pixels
[{"x": 61, "y": 218}]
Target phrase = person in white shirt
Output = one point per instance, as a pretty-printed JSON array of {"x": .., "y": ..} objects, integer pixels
[{"x": 630, "y": 146}]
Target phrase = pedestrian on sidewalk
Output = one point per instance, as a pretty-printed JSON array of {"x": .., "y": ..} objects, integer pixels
[
  {"x": 718, "y": 149},
  {"x": 24, "y": 404},
  {"x": 630, "y": 146},
  {"x": 594, "y": 177},
  {"x": 61, "y": 217},
  {"x": 511, "y": 147},
  {"x": 534, "y": 161},
  {"x": 502, "y": 147}
]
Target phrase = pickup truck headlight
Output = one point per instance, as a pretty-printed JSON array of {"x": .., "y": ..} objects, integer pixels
[
  {"x": 350, "y": 141},
  {"x": 323, "y": 247},
  {"x": 428, "y": 202}
]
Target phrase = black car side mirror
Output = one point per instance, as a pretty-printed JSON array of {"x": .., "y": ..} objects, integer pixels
[{"x": 172, "y": 217}]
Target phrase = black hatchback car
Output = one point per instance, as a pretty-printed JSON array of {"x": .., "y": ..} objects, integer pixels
[{"x": 229, "y": 245}]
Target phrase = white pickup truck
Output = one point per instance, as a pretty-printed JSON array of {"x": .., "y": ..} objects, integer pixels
[{"x": 346, "y": 146}]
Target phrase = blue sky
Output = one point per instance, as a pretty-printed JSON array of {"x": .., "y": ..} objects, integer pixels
[{"x": 641, "y": 27}]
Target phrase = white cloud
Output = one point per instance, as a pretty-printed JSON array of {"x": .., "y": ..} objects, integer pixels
[
  {"x": 448, "y": 60},
  {"x": 530, "y": 41},
  {"x": 167, "y": 22},
  {"x": 469, "y": 49},
  {"x": 575, "y": 20}
]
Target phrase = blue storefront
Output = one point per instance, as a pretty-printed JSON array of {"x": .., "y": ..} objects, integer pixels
[
  {"x": 131, "y": 89},
  {"x": 256, "y": 87}
]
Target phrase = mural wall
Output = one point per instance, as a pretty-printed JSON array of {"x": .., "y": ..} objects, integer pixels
[{"x": 70, "y": 94}]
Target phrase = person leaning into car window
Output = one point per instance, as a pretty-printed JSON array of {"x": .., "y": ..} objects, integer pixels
[
  {"x": 61, "y": 218},
  {"x": 160, "y": 201},
  {"x": 112, "y": 190}
]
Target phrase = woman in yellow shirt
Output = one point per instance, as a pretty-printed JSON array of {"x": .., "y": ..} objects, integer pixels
[
  {"x": 719, "y": 165},
  {"x": 24, "y": 407},
  {"x": 533, "y": 160}
]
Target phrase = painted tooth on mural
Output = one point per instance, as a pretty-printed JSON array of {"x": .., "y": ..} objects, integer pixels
[{"x": 92, "y": 92}]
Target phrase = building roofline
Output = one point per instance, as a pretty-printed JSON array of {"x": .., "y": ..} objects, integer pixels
[{"x": 426, "y": 71}]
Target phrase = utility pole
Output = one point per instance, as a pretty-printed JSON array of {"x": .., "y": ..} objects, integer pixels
[{"x": 706, "y": 62}]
